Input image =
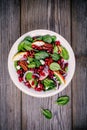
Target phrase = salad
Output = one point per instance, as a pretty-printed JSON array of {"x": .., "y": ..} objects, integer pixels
[{"x": 41, "y": 62}]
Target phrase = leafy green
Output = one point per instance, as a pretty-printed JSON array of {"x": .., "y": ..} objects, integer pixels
[
  {"x": 30, "y": 59},
  {"x": 28, "y": 38},
  {"x": 53, "y": 38},
  {"x": 37, "y": 62},
  {"x": 32, "y": 65},
  {"x": 24, "y": 45},
  {"x": 48, "y": 84},
  {"x": 41, "y": 55},
  {"x": 66, "y": 69},
  {"x": 47, "y": 113},
  {"x": 63, "y": 100},
  {"x": 15, "y": 64},
  {"x": 65, "y": 53},
  {"x": 47, "y": 38},
  {"x": 55, "y": 49},
  {"x": 39, "y": 38},
  {"x": 21, "y": 46},
  {"x": 29, "y": 76},
  {"x": 55, "y": 56},
  {"x": 54, "y": 66}
]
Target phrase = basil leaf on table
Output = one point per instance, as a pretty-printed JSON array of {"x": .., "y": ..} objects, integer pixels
[
  {"x": 63, "y": 100},
  {"x": 55, "y": 66},
  {"x": 41, "y": 55},
  {"x": 47, "y": 38},
  {"x": 55, "y": 56},
  {"x": 65, "y": 53},
  {"x": 47, "y": 113}
]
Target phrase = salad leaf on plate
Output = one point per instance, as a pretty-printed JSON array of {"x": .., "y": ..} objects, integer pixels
[
  {"x": 41, "y": 55},
  {"x": 47, "y": 38},
  {"x": 55, "y": 56},
  {"x": 49, "y": 84},
  {"x": 65, "y": 53},
  {"x": 55, "y": 66}
]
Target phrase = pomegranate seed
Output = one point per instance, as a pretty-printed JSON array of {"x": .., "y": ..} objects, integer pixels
[
  {"x": 62, "y": 60},
  {"x": 19, "y": 71},
  {"x": 66, "y": 64},
  {"x": 33, "y": 76},
  {"x": 32, "y": 83},
  {"x": 57, "y": 42},
  {"x": 41, "y": 67},
  {"x": 42, "y": 73},
  {"x": 59, "y": 62},
  {"x": 38, "y": 89},
  {"x": 25, "y": 56},
  {"x": 59, "y": 51},
  {"x": 28, "y": 84},
  {"x": 20, "y": 79}
]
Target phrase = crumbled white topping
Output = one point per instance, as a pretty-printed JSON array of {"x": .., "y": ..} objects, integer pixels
[
  {"x": 28, "y": 61},
  {"x": 18, "y": 67},
  {"x": 39, "y": 43},
  {"x": 42, "y": 62}
]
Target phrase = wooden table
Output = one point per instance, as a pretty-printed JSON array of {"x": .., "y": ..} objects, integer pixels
[{"x": 68, "y": 18}]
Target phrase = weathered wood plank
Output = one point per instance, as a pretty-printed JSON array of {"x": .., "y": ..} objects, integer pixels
[
  {"x": 79, "y": 43},
  {"x": 10, "y": 96},
  {"x": 47, "y": 15}
]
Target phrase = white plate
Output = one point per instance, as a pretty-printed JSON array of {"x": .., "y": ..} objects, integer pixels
[{"x": 13, "y": 73}]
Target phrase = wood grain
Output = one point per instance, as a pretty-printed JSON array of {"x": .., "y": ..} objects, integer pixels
[
  {"x": 46, "y": 15},
  {"x": 10, "y": 96},
  {"x": 79, "y": 44}
]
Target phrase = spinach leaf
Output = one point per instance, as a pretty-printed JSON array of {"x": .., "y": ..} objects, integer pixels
[
  {"x": 47, "y": 113},
  {"x": 30, "y": 59},
  {"x": 29, "y": 76},
  {"x": 37, "y": 62},
  {"x": 63, "y": 100},
  {"x": 47, "y": 38},
  {"x": 41, "y": 55},
  {"x": 55, "y": 49},
  {"x": 39, "y": 38},
  {"x": 53, "y": 38},
  {"x": 15, "y": 64},
  {"x": 32, "y": 65},
  {"x": 28, "y": 38},
  {"x": 65, "y": 53},
  {"x": 55, "y": 56},
  {"x": 49, "y": 84},
  {"x": 21, "y": 46},
  {"x": 55, "y": 66}
]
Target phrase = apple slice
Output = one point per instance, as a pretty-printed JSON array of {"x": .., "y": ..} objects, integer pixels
[
  {"x": 18, "y": 56},
  {"x": 61, "y": 78}
]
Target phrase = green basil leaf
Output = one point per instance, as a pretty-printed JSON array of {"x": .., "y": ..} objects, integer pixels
[
  {"x": 55, "y": 49},
  {"x": 63, "y": 100},
  {"x": 28, "y": 38},
  {"x": 57, "y": 78},
  {"x": 48, "y": 84},
  {"x": 47, "y": 38},
  {"x": 29, "y": 76},
  {"x": 37, "y": 62},
  {"x": 27, "y": 47},
  {"x": 32, "y": 65},
  {"x": 41, "y": 55},
  {"x": 55, "y": 66},
  {"x": 65, "y": 53},
  {"x": 53, "y": 38},
  {"x": 47, "y": 113},
  {"x": 55, "y": 56}
]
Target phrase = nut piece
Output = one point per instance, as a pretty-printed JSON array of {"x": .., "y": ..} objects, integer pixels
[{"x": 23, "y": 64}]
